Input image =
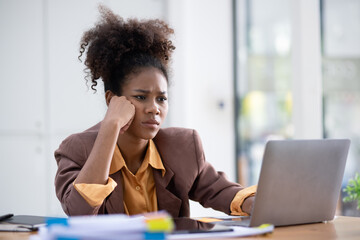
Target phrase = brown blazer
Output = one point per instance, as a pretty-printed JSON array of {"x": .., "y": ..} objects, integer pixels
[{"x": 188, "y": 175}]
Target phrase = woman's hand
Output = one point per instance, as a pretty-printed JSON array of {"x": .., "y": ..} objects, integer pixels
[
  {"x": 248, "y": 205},
  {"x": 120, "y": 112},
  {"x": 119, "y": 116}
]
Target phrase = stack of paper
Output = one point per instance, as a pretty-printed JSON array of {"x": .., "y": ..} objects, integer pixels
[{"x": 107, "y": 227}]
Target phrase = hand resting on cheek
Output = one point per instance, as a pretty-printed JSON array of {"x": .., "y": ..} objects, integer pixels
[{"x": 120, "y": 111}]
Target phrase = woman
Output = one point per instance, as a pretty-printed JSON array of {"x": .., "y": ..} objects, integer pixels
[{"x": 127, "y": 163}]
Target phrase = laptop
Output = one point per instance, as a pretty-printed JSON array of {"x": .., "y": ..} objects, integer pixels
[{"x": 300, "y": 182}]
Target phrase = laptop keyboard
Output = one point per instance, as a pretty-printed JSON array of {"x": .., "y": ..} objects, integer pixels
[{"x": 241, "y": 221}]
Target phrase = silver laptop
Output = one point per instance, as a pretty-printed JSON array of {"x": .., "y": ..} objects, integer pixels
[{"x": 300, "y": 182}]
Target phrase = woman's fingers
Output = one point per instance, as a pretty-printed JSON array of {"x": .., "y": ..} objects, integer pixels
[
  {"x": 121, "y": 111},
  {"x": 124, "y": 128}
]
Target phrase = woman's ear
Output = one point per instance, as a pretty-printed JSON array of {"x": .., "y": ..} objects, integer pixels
[{"x": 108, "y": 95}]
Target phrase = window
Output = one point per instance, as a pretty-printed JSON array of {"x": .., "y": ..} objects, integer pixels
[
  {"x": 277, "y": 81},
  {"x": 264, "y": 105},
  {"x": 341, "y": 80}
]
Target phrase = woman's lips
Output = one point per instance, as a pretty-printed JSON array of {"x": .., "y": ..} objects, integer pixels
[{"x": 152, "y": 123}]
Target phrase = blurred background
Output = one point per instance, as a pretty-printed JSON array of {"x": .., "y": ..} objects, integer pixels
[{"x": 243, "y": 72}]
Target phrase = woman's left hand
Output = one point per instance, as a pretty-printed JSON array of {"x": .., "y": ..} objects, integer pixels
[{"x": 248, "y": 205}]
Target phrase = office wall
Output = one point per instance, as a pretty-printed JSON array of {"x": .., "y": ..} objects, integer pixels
[
  {"x": 203, "y": 76},
  {"x": 44, "y": 97},
  {"x": 202, "y": 79},
  {"x": 23, "y": 172}
]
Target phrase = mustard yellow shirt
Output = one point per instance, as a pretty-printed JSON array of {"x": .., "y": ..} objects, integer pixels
[{"x": 139, "y": 189}]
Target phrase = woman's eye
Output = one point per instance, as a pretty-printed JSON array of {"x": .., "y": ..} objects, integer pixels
[
  {"x": 162, "y": 99},
  {"x": 140, "y": 97}
]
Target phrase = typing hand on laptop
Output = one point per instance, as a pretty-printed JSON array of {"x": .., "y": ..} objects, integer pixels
[{"x": 248, "y": 205}]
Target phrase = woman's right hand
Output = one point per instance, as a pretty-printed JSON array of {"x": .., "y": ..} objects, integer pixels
[
  {"x": 119, "y": 116},
  {"x": 120, "y": 112}
]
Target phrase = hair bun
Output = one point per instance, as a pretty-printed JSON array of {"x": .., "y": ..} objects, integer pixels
[{"x": 112, "y": 39}]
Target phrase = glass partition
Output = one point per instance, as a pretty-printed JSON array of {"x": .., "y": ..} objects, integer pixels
[
  {"x": 263, "y": 81},
  {"x": 341, "y": 80}
]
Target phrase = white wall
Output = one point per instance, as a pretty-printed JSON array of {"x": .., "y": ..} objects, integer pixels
[
  {"x": 306, "y": 69},
  {"x": 203, "y": 79},
  {"x": 23, "y": 172},
  {"x": 44, "y": 98}
]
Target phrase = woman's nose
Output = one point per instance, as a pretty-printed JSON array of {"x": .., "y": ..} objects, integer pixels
[{"x": 153, "y": 108}]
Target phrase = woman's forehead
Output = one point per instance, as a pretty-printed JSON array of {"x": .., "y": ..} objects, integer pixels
[{"x": 147, "y": 80}]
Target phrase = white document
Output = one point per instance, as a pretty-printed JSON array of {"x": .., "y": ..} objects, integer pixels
[{"x": 237, "y": 232}]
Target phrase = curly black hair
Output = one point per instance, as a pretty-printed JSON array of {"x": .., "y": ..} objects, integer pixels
[{"x": 117, "y": 48}]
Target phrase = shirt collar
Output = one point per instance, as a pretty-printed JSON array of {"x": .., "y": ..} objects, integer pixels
[{"x": 152, "y": 156}]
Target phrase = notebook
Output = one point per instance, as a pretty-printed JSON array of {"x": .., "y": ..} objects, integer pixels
[
  {"x": 22, "y": 223},
  {"x": 188, "y": 225},
  {"x": 300, "y": 182}
]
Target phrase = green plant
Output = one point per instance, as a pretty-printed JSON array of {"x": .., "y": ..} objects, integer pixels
[{"x": 353, "y": 190}]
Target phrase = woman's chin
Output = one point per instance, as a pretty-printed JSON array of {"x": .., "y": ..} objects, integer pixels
[
  {"x": 149, "y": 136},
  {"x": 145, "y": 134}
]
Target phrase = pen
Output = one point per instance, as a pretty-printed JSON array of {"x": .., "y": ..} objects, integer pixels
[{"x": 6, "y": 216}]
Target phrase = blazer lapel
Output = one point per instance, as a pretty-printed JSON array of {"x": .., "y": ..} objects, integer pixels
[
  {"x": 115, "y": 201},
  {"x": 166, "y": 199}
]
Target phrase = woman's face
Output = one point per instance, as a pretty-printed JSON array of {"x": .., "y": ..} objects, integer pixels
[{"x": 147, "y": 91}]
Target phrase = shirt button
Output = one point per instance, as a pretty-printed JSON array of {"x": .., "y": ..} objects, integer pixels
[{"x": 137, "y": 188}]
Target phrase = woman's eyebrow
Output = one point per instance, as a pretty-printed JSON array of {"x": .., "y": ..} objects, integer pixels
[{"x": 148, "y": 91}]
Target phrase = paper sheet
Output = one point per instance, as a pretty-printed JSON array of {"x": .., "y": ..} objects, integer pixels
[{"x": 238, "y": 232}]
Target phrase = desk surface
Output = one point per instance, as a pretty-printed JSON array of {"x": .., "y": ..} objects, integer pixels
[{"x": 340, "y": 228}]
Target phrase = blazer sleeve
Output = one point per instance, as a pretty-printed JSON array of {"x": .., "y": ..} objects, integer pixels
[
  {"x": 70, "y": 158},
  {"x": 211, "y": 188}
]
